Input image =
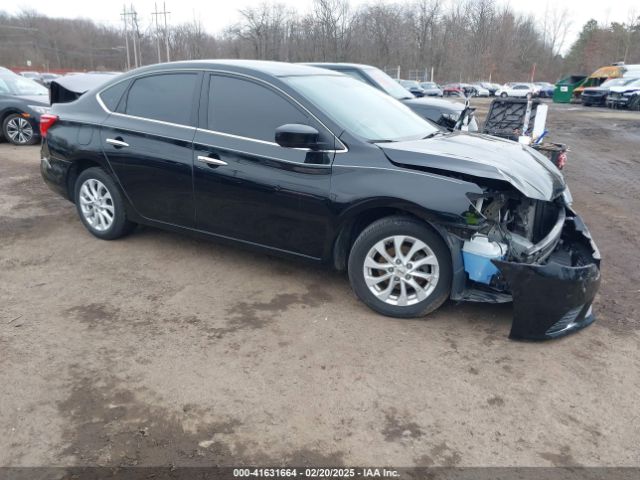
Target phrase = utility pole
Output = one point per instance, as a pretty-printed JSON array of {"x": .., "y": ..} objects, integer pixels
[
  {"x": 155, "y": 16},
  {"x": 124, "y": 15},
  {"x": 136, "y": 40},
  {"x": 166, "y": 31}
]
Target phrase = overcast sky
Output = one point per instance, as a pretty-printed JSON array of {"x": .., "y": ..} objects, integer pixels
[{"x": 216, "y": 14}]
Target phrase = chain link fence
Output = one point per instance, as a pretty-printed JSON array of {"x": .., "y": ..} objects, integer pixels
[{"x": 418, "y": 74}]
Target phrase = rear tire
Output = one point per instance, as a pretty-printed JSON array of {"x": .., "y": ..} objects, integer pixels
[
  {"x": 412, "y": 284},
  {"x": 100, "y": 205}
]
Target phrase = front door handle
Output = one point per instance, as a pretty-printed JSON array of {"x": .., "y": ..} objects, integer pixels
[
  {"x": 212, "y": 161},
  {"x": 117, "y": 142}
]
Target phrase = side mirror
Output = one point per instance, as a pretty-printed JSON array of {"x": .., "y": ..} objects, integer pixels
[{"x": 295, "y": 135}]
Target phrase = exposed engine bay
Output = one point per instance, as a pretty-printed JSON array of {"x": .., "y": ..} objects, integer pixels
[
  {"x": 517, "y": 248},
  {"x": 519, "y": 223},
  {"x": 508, "y": 227}
]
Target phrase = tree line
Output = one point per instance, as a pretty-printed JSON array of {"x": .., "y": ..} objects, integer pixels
[{"x": 459, "y": 41}]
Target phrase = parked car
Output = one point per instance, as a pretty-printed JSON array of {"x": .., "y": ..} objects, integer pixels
[
  {"x": 413, "y": 86},
  {"x": 491, "y": 87},
  {"x": 625, "y": 96},
  {"x": 514, "y": 90},
  {"x": 35, "y": 76},
  {"x": 22, "y": 102},
  {"x": 598, "y": 77},
  {"x": 545, "y": 89},
  {"x": 431, "y": 89},
  {"x": 299, "y": 161},
  {"x": 454, "y": 90},
  {"x": 47, "y": 78},
  {"x": 442, "y": 112},
  {"x": 480, "y": 91},
  {"x": 598, "y": 95}
]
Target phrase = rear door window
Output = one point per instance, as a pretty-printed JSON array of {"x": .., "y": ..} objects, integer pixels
[
  {"x": 248, "y": 109},
  {"x": 165, "y": 97}
]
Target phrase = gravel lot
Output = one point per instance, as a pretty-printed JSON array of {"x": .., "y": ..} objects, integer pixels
[{"x": 161, "y": 349}]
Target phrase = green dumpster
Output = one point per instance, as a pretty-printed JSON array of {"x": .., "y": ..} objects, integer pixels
[{"x": 563, "y": 90}]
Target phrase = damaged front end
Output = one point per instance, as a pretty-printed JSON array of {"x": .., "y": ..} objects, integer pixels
[{"x": 537, "y": 253}]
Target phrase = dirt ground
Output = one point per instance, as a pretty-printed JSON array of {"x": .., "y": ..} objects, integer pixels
[{"x": 161, "y": 349}]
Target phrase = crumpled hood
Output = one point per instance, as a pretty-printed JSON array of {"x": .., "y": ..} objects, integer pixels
[{"x": 482, "y": 156}]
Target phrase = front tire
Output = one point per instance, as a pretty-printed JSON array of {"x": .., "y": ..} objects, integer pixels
[
  {"x": 100, "y": 205},
  {"x": 504, "y": 95},
  {"x": 18, "y": 131},
  {"x": 400, "y": 267}
]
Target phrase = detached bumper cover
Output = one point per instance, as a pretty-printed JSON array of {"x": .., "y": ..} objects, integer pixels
[{"x": 554, "y": 299}]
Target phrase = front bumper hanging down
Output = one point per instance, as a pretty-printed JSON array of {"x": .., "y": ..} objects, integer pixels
[{"x": 554, "y": 299}]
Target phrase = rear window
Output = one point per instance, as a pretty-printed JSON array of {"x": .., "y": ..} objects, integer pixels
[{"x": 167, "y": 97}]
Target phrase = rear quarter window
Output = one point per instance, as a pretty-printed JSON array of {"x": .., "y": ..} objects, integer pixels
[{"x": 112, "y": 95}]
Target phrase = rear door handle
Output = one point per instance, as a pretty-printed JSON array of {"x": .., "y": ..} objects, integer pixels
[
  {"x": 117, "y": 142},
  {"x": 212, "y": 161}
]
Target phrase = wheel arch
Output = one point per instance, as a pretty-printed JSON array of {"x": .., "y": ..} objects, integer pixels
[
  {"x": 3, "y": 116},
  {"x": 8, "y": 111},
  {"x": 78, "y": 166},
  {"x": 360, "y": 217}
]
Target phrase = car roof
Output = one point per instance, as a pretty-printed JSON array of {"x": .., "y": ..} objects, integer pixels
[
  {"x": 333, "y": 65},
  {"x": 276, "y": 69}
]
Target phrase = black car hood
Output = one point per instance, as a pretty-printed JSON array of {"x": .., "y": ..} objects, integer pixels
[
  {"x": 437, "y": 103},
  {"x": 41, "y": 100},
  {"x": 482, "y": 156}
]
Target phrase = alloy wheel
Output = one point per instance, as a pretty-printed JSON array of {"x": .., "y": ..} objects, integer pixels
[
  {"x": 19, "y": 130},
  {"x": 96, "y": 205},
  {"x": 401, "y": 270}
]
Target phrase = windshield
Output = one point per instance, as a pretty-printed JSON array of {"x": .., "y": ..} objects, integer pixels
[
  {"x": 388, "y": 84},
  {"x": 361, "y": 109},
  {"x": 428, "y": 85},
  {"x": 16, "y": 85},
  {"x": 634, "y": 82}
]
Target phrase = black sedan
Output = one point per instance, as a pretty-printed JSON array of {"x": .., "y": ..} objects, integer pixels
[
  {"x": 300, "y": 161},
  {"x": 22, "y": 101}
]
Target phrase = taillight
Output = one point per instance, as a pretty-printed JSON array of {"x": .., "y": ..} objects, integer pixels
[
  {"x": 46, "y": 120},
  {"x": 562, "y": 160}
]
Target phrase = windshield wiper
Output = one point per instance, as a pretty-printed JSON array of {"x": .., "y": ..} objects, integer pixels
[{"x": 386, "y": 140}]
